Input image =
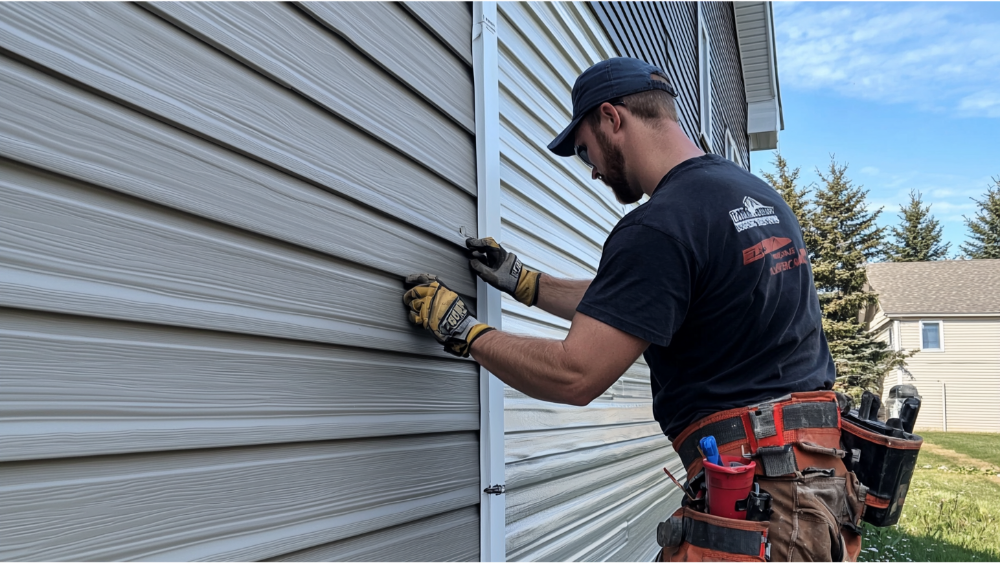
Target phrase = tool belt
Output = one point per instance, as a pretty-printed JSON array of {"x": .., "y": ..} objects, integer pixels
[
  {"x": 787, "y": 435},
  {"x": 703, "y": 537},
  {"x": 817, "y": 503},
  {"x": 884, "y": 459}
]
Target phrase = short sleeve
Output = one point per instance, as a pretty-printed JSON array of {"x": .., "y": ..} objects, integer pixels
[{"x": 643, "y": 284}]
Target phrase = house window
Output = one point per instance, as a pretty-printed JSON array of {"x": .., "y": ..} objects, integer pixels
[
  {"x": 930, "y": 336},
  {"x": 889, "y": 341},
  {"x": 733, "y": 151},
  {"x": 705, "y": 80}
]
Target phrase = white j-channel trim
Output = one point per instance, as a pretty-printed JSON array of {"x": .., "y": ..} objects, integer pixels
[
  {"x": 940, "y": 324},
  {"x": 733, "y": 151},
  {"x": 485, "y": 65},
  {"x": 704, "y": 81}
]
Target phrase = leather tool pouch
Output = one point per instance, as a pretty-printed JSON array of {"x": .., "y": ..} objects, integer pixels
[
  {"x": 815, "y": 515},
  {"x": 689, "y": 535},
  {"x": 884, "y": 463}
]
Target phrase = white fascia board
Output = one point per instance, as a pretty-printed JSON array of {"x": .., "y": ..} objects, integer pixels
[
  {"x": 758, "y": 58},
  {"x": 486, "y": 70}
]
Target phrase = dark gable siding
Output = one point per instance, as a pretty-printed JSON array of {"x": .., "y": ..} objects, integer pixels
[
  {"x": 666, "y": 34},
  {"x": 729, "y": 106}
]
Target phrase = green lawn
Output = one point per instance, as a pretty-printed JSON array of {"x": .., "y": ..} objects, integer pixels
[{"x": 952, "y": 511}]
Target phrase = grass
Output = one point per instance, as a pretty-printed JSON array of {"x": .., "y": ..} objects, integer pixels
[
  {"x": 952, "y": 511},
  {"x": 985, "y": 447}
]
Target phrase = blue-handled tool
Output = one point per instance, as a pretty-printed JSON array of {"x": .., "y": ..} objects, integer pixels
[{"x": 710, "y": 449}]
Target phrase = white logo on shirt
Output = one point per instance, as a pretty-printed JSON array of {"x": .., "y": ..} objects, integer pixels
[{"x": 752, "y": 214}]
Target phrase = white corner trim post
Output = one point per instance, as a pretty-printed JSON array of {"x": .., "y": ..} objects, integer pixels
[{"x": 485, "y": 65}]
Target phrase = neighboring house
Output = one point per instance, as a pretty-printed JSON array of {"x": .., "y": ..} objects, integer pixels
[
  {"x": 949, "y": 311},
  {"x": 206, "y": 212}
]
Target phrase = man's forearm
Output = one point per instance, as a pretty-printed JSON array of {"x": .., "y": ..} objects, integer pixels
[
  {"x": 560, "y": 297},
  {"x": 538, "y": 367}
]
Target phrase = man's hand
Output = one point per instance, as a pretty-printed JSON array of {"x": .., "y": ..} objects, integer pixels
[
  {"x": 503, "y": 270},
  {"x": 435, "y": 307}
]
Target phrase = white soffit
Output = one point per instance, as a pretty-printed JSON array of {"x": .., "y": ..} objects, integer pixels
[{"x": 755, "y": 35}]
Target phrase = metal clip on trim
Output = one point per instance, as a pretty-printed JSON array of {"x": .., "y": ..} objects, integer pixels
[{"x": 495, "y": 490}]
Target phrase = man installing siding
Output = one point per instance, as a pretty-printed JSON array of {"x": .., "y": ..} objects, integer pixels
[{"x": 708, "y": 280}]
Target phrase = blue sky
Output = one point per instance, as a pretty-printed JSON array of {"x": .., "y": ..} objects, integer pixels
[{"x": 907, "y": 94}]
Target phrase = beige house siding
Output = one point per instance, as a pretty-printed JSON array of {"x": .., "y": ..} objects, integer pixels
[{"x": 961, "y": 382}]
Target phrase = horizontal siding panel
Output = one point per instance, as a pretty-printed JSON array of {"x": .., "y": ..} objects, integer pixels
[
  {"x": 60, "y": 128},
  {"x": 586, "y": 528},
  {"x": 521, "y": 213},
  {"x": 545, "y": 256},
  {"x": 542, "y": 469},
  {"x": 450, "y": 22},
  {"x": 132, "y": 260},
  {"x": 566, "y": 485},
  {"x": 159, "y": 69},
  {"x": 538, "y": 444},
  {"x": 530, "y": 414},
  {"x": 291, "y": 48},
  {"x": 386, "y": 33},
  {"x": 453, "y": 536},
  {"x": 231, "y": 504},
  {"x": 77, "y": 386}
]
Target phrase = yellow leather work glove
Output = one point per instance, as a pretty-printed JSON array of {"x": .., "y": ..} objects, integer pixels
[
  {"x": 435, "y": 307},
  {"x": 503, "y": 270}
]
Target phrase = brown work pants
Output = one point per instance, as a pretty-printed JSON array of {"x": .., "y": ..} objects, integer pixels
[{"x": 814, "y": 517}]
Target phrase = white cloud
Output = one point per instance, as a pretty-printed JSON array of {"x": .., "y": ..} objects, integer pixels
[
  {"x": 871, "y": 170},
  {"x": 936, "y": 56},
  {"x": 983, "y": 103}
]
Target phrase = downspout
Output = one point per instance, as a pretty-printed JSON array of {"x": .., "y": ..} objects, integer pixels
[
  {"x": 944, "y": 407},
  {"x": 897, "y": 346},
  {"x": 485, "y": 67}
]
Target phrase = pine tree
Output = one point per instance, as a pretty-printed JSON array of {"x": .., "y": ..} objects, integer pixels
[
  {"x": 984, "y": 238},
  {"x": 918, "y": 236},
  {"x": 784, "y": 183},
  {"x": 842, "y": 238}
]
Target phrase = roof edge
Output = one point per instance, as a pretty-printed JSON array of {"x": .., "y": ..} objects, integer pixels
[
  {"x": 759, "y": 64},
  {"x": 897, "y": 316}
]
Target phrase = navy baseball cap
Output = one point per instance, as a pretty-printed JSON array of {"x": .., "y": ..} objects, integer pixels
[{"x": 603, "y": 82}]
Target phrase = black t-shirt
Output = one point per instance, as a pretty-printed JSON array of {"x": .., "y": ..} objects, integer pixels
[{"x": 712, "y": 271}]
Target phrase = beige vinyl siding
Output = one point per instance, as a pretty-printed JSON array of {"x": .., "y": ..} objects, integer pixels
[
  {"x": 969, "y": 368},
  {"x": 582, "y": 483},
  {"x": 207, "y": 211}
]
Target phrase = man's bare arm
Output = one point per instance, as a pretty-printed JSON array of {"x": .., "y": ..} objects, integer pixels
[
  {"x": 574, "y": 371},
  {"x": 560, "y": 297}
]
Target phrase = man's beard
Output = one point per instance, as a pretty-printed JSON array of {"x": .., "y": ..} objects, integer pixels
[{"x": 614, "y": 174}]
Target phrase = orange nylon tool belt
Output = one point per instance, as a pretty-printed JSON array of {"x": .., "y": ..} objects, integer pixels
[
  {"x": 786, "y": 435},
  {"x": 711, "y": 538}
]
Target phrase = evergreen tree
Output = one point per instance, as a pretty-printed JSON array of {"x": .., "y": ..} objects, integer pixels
[
  {"x": 984, "y": 238},
  {"x": 918, "y": 236},
  {"x": 784, "y": 183},
  {"x": 842, "y": 238}
]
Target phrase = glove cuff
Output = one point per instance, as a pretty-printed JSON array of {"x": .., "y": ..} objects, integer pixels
[
  {"x": 462, "y": 346},
  {"x": 527, "y": 287}
]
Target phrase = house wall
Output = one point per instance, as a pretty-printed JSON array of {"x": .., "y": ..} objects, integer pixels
[
  {"x": 208, "y": 210},
  {"x": 666, "y": 34},
  {"x": 969, "y": 369},
  {"x": 582, "y": 483}
]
